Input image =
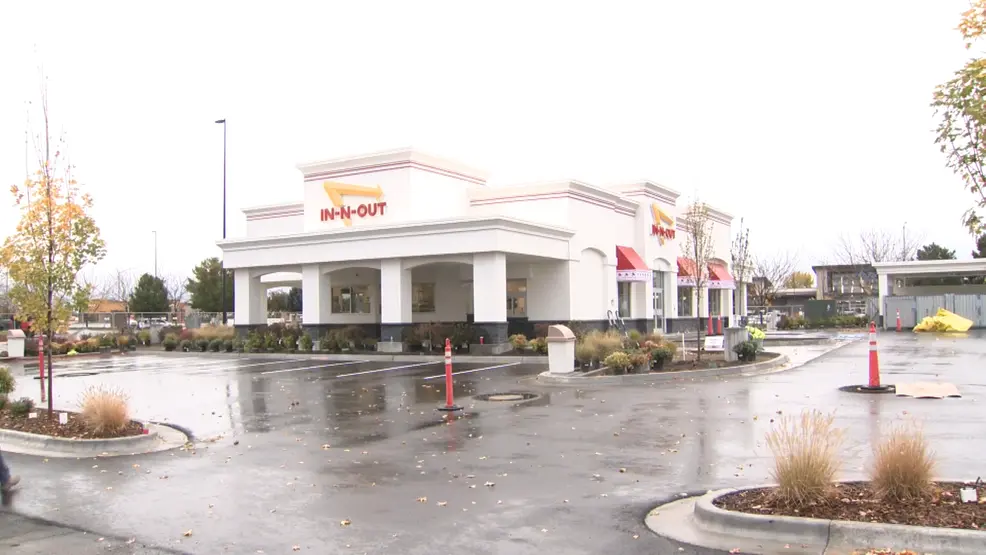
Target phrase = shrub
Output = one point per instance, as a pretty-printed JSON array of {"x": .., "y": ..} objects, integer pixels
[
  {"x": 227, "y": 345},
  {"x": 186, "y": 345},
  {"x": 305, "y": 343},
  {"x": 238, "y": 345},
  {"x": 170, "y": 342},
  {"x": 21, "y": 406},
  {"x": 3, "y": 402},
  {"x": 7, "y": 382},
  {"x": 806, "y": 457},
  {"x": 462, "y": 335},
  {"x": 271, "y": 342},
  {"x": 370, "y": 343},
  {"x": 277, "y": 329},
  {"x": 639, "y": 360},
  {"x": 289, "y": 340},
  {"x": 353, "y": 335},
  {"x": 107, "y": 340},
  {"x": 661, "y": 355},
  {"x": 584, "y": 353},
  {"x": 618, "y": 361},
  {"x": 186, "y": 335},
  {"x": 4, "y": 354},
  {"x": 104, "y": 410},
  {"x": 166, "y": 330},
  {"x": 215, "y": 345},
  {"x": 746, "y": 350},
  {"x": 635, "y": 336},
  {"x": 123, "y": 341},
  {"x": 94, "y": 344},
  {"x": 254, "y": 342},
  {"x": 519, "y": 341},
  {"x": 756, "y": 333},
  {"x": 144, "y": 336},
  {"x": 202, "y": 344},
  {"x": 603, "y": 343},
  {"x": 539, "y": 346},
  {"x": 903, "y": 466}
]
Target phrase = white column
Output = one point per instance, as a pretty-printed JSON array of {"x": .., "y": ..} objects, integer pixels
[
  {"x": 489, "y": 292},
  {"x": 316, "y": 295},
  {"x": 727, "y": 304},
  {"x": 883, "y": 285},
  {"x": 670, "y": 295},
  {"x": 703, "y": 310},
  {"x": 395, "y": 292},
  {"x": 249, "y": 299},
  {"x": 642, "y": 300}
]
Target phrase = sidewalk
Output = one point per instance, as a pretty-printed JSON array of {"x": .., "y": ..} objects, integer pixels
[{"x": 24, "y": 535}]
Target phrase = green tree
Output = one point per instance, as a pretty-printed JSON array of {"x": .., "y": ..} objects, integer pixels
[
  {"x": 205, "y": 287},
  {"x": 960, "y": 105},
  {"x": 980, "y": 251},
  {"x": 799, "y": 280},
  {"x": 150, "y": 295},
  {"x": 294, "y": 299},
  {"x": 277, "y": 301},
  {"x": 55, "y": 239},
  {"x": 935, "y": 251}
]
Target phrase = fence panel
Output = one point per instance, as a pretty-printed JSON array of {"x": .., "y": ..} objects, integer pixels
[
  {"x": 969, "y": 306},
  {"x": 908, "y": 312}
]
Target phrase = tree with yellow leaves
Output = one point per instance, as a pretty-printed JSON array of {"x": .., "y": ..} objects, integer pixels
[
  {"x": 960, "y": 105},
  {"x": 54, "y": 240}
]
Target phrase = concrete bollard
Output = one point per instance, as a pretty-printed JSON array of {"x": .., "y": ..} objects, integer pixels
[{"x": 561, "y": 350}]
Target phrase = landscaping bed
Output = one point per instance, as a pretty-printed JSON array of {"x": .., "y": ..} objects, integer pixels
[
  {"x": 858, "y": 502},
  {"x": 76, "y": 428},
  {"x": 709, "y": 360}
]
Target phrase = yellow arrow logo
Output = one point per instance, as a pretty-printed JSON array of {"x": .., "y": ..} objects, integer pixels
[
  {"x": 660, "y": 217},
  {"x": 336, "y": 191}
]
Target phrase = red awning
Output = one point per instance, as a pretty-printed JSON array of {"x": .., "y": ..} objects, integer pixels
[
  {"x": 686, "y": 268},
  {"x": 628, "y": 259},
  {"x": 718, "y": 272}
]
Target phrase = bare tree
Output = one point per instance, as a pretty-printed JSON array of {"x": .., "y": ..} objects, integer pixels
[
  {"x": 176, "y": 291},
  {"x": 740, "y": 254},
  {"x": 119, "y": 287},
  {"x": 698, "y": 247},
  {"x": 873, "y": 246},
  {"x": 769, "y": 274}
]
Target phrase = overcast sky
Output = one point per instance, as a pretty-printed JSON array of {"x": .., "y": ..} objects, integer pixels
[{"x": 805, "y": 118}]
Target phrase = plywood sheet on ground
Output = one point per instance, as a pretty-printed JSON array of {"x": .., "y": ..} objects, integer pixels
[{"x": 927, "y": 390}]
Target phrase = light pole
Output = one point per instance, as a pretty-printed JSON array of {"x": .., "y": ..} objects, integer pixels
[
  {"x": 222, "y": 268},
  {"x": 155, "y": 253}
]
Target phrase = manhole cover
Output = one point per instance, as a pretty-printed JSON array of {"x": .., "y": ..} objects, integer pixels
[{"x": 507, "y": 397}]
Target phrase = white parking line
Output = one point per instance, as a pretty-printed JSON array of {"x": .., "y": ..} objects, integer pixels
[
  {"x": 389, "y": 369},
  {"x": 474, "y": 370},
  {"x": 237, "y": 367},
  {"x": 312, "y": 367}
]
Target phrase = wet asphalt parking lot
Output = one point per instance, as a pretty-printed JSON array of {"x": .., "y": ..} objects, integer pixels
[{"x": 352, "y": 457}]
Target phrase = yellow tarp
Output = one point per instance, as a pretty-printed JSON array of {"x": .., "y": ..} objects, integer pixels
[{"x": 944, "y": 321}]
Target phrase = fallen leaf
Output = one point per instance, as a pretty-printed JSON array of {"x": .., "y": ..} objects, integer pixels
[
  {"x": 346, "y": 522},
  {"x": 442, "y": 503},
  {"x": 295, "y": 548},
  {"x": 422, "y": 500},
  {"x": 187, "y": 533},
  {"x": 623, "y": 470}
]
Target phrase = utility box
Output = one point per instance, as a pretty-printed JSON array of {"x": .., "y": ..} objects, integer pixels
[
  {"x": 15, "y": 344},
  {"x": 561, "y": 350},
  {"x": 733, "y": 337}
]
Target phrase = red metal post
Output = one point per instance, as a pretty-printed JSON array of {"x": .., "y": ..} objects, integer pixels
[
  {"x": 709, "y": 327},
  {"x": 898, "y": 319},
  {"x": 874, "y": 359},
  {"x": 719, "y": 325}
]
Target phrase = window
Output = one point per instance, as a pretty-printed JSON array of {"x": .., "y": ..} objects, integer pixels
[
  {"x": 423, "y": 297},
  {"x": 623, "y": 298},
  {"x": 715, "y": 301},
  {"x": 516, "y": 298},
  {"x": 685, "y": 301},
  {"x": 353, "y": 299}
]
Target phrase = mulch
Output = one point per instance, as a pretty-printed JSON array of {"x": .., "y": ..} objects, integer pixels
[
  {"x": 709, "y": 360},
  {"x": 76, "y": 428},
  {"x": 857, "y": 502}
]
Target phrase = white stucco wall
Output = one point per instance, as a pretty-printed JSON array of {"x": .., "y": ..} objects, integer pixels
[{"x": 273, "y": 226}]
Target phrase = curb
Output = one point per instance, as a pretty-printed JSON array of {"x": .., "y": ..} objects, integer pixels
[
  {"x": 374, "y": 357},
  {"x": 778, "y": 534},
  {"x": 158, "y": 438},
  {"x": 763, "y": 367}
]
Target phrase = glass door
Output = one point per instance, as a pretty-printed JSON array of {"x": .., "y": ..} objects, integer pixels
[{"x": 659, "y": 301}]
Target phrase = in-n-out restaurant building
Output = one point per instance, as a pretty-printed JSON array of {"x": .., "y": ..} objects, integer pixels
[{"x": 392, "y": 239}]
